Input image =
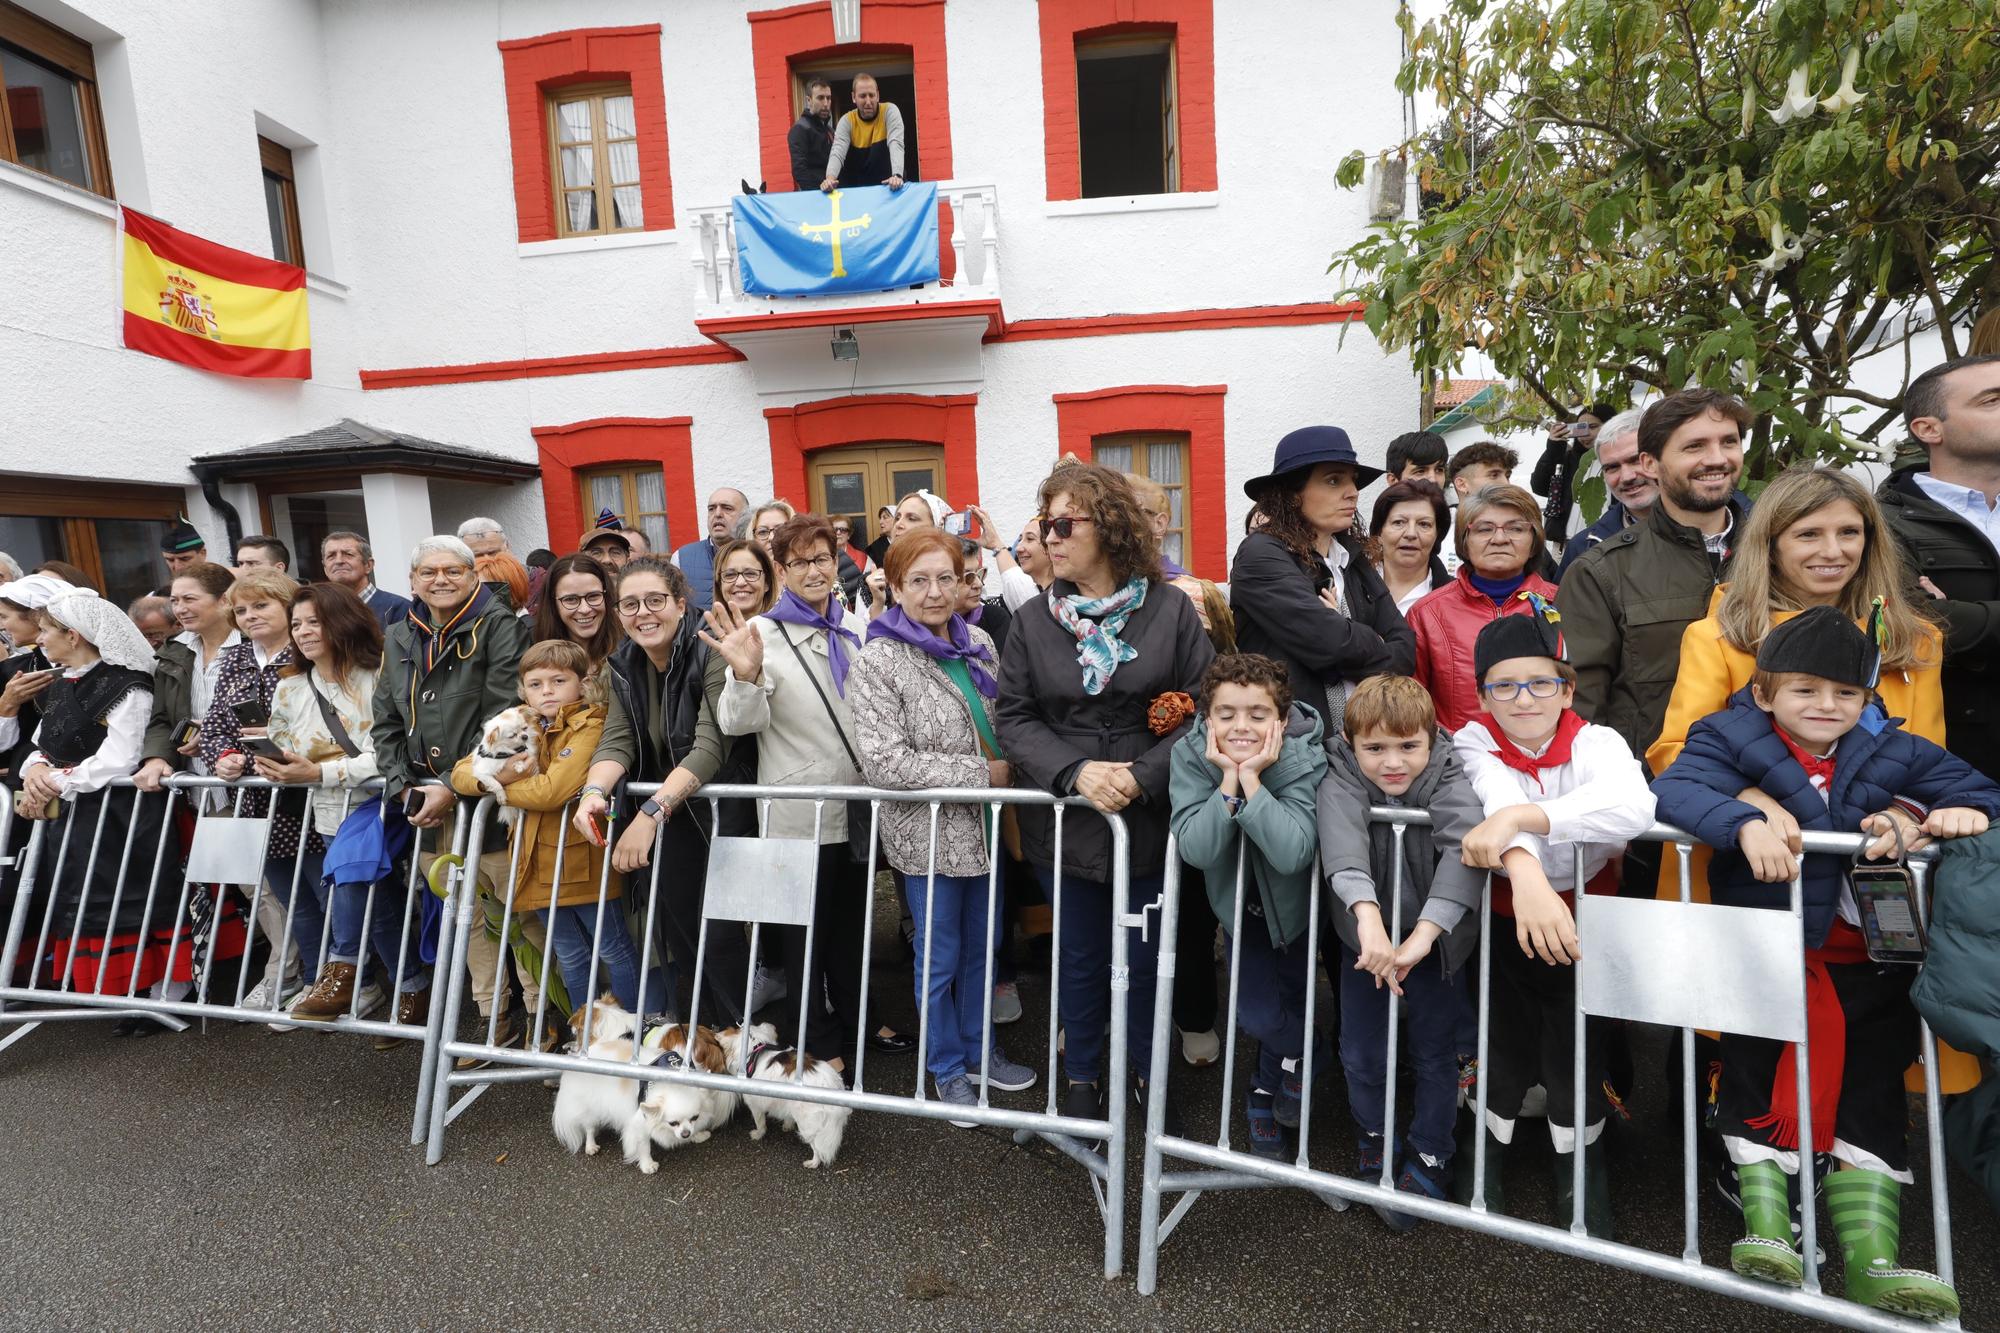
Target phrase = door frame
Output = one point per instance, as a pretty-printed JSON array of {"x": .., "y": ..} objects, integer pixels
[{"x": 876, "y": 462}]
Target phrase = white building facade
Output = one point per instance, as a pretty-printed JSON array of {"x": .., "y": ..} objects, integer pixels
[{"x": 514, "y": 218}]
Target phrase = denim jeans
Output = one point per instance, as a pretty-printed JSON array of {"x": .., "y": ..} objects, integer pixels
[
  {"x": 1430, "y": 1036},
  {"x": 956, "y": 976},
  {"x": 1270, "y": 997},
  {"x": 1083, "y": 973},
  {"x": 348, "y": 905},
  {"x": 570, "y": 931}
]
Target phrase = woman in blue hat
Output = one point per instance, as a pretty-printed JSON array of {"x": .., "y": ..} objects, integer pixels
[{"x": 1301, "y": 588}]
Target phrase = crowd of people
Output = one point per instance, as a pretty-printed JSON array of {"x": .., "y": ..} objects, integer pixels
[{"x": 1819, "y": 659}]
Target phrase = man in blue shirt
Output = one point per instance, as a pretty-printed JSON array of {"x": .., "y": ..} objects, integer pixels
[
  {"x": 697, "y": 559},
  {"x": 346, "y": 558}
]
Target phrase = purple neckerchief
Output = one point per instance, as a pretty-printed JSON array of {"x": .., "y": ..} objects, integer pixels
[
  {"x": 972, "y": 618},
  {"x": 896, "y": 624},
  {"x": 1172, "y": 570},
  {"x": 792, "y": 610}
]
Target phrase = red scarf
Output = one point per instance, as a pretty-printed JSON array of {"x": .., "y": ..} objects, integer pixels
[
  {"x": 1555, "y": 756},
  {"x": 1826, "y": 1033},
  {"x": 1814, "y": 766}
]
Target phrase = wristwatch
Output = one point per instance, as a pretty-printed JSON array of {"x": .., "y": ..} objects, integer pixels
[{"x": 652, "y": 807}]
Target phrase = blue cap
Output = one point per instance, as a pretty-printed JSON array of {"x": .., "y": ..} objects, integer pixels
[{"x": 1309, "y": 445}]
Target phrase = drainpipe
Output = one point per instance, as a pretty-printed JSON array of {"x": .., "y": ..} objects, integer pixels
[{"x": 211, "y": 491}]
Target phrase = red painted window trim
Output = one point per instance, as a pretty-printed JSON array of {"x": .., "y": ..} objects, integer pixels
[
  {"x": 535, "y": 66},
  {"x": 581, "y": 445},
  {"x": 1192, "y": 409},
  {"x": 1192, "y": 23},
  {"x": 945, "y": 419}
]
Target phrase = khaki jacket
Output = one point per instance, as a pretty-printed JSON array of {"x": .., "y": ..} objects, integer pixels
[{"x": 567, "y": 745}]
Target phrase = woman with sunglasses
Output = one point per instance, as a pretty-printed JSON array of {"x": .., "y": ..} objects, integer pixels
[
  {"x": 1095, "y": 688},
  {"x": 575, "y": 604}
]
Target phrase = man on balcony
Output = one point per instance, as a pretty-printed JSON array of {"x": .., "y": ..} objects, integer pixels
[
  {"x": 811, "y": 137},
  {"x": 867, "y": 142}
]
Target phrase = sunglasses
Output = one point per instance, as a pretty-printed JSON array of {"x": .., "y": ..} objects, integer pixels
[{"x": 1063, "y": 527}]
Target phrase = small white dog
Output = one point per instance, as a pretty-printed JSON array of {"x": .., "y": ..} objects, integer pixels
[
  {"x": 818, "y": 1125},
  {"x": 673, "y": 1114},
  {"x": 586, "y": 1103},
  {"x": 508, "y": 737}
]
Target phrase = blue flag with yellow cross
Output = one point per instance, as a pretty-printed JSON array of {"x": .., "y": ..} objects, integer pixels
[{"x": 865, "y": 239}]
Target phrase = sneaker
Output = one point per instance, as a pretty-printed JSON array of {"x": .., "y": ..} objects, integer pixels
[
  {"x": 957, "y": 1091},
  {"x": 372, "y": 999},
  {"x": 1002, "y": 1074},
  {"x": 260, "y": 995},
  {"x": 1267, "y": 1139},
  {"x": 1200, "y": 1049},
  {"x": 768, "y": 988},
  {"x": 1368, "y": 1156},
  {"x": 1006, "y": 1003},
  {"x": 1080, "y": 1101},
  {"x": 1422, "y": 1177}
]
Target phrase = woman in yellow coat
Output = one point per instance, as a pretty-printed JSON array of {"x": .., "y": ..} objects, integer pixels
[
  {"x": 1815, "y": 538},
  {"x": 560, "y": 876}
]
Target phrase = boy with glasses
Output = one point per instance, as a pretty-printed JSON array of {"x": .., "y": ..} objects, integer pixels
[{"x": 1553, "y": 786}]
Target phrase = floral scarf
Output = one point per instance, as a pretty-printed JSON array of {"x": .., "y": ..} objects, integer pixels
[{"x": 1095, "y": 622}]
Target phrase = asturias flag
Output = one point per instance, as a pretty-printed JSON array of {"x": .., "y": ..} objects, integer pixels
[
  {"x": 866, "y": 239},
  {"x": 211, "y": 307}
]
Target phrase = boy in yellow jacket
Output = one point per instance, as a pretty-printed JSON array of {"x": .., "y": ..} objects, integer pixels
[{"x": 552, "y": 674}]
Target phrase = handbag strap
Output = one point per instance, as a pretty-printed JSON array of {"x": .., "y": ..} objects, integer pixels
[
  {"x": 825, "y": 702},
  {"x": 331, "y": 717}
]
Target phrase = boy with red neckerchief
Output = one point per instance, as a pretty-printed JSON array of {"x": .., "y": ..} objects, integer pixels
[{"x": 1552, "y": 786}]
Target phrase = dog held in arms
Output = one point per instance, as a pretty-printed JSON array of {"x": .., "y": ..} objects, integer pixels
[
  {"x": 673, "y": 1114},
  {"x": 818, "y": 1125},
  {"x": 508, "y": 738}
]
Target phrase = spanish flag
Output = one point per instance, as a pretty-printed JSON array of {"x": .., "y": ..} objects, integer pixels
[{"x": 211, "y": 307}]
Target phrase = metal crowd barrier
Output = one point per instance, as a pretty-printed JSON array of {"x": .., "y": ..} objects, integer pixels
[
  {"x": 63, "y": 856},
  {"x": 1639, "y": 956},
  {"x": 767, "y": 883}
]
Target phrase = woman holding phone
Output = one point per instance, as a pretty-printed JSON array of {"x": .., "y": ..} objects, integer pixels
[{"x": 25, "y": 676}]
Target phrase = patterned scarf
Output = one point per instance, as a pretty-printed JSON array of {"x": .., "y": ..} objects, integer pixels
[
  {"x": 791, "y": 609},
  {"x": 433, "y": 638},
  {"x": 1095, "y": 622},
  {"x": 896, "y": 624}
]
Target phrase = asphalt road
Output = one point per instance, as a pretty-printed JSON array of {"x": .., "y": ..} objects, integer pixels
[{"x": 241, "y": 1178}]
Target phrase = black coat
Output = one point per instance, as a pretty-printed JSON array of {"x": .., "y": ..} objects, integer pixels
[
  {"x": 680, "y": 699},
  {"x": 1942, "y": 547},
  {"x": 811, "y": 142},
  {"x": 1049, "y": 728},
  {"x": 27, "y": 719},
  {"x": 1275, "y": 598}
]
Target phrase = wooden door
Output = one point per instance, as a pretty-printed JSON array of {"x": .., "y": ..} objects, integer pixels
[{"x": 854, "y": 482}]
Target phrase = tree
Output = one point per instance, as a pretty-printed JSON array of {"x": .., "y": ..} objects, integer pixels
[{"x": 1759, "y": 195}]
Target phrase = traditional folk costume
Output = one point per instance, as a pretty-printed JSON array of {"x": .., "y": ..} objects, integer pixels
[
  {"x": 17, "y": 733},
  {"x": 1860, "y": 1025},
  {"x": 1593, "y": 790}
]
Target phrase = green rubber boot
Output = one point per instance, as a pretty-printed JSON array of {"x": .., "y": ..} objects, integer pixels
[
  {"x": 1867, "y": 1218},
  {"x": 1462, "y": 1177},
  {"x": 1766, "y": 1252},
  {"x": 1597, "y": 1220}
]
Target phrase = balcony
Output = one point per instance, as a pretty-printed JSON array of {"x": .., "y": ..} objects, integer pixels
[{"x": 924, "y": 339}]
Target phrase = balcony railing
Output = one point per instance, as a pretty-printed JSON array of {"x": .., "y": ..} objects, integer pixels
[{"x": 973, "y": 234}]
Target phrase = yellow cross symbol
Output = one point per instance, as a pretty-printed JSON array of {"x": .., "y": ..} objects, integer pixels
[{"x": 832, "y": 229}]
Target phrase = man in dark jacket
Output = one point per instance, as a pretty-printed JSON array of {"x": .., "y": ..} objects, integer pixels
[
  {"x": 1947, "y": 519},
  {"x": 1629, "y": 487},
  {"x": 811, "y": 136},
  {"x": 1626, "y": 602}
]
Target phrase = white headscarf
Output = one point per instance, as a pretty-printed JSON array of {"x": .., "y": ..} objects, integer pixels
[
  {"x": 936, "y": 504},
  {"x": 35, "y": 591},
  {"x": 106, "y": 628}
]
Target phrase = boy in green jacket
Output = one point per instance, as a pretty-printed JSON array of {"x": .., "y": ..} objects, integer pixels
[{"x": 1251, "y": 765}]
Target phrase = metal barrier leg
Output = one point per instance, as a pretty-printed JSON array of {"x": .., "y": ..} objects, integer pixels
[
  {"x": 1120, "y": 1053},
  {"x": 464, "y": 881},
  {"x": 1156, "y": 1108},
  {"x": 446, "y": 966}
]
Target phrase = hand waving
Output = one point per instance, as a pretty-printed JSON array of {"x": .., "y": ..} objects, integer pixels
[{"x": 734, "y": 635}]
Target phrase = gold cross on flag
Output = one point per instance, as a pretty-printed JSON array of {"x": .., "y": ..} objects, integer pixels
[{"x": 832, "y": 229}]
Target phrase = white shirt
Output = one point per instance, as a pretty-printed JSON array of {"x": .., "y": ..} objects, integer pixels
[
  {"x": 1335, "y": 561},
  {"x": 1965, "y": 502},
  {"x": 1597, "y": 802},
  {"x": 1016, "y": 588},
  {"x": 201, "y": 688},
  {"x": 118, "y": 757}
]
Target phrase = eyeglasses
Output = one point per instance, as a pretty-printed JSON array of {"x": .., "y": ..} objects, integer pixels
[
  {"x": 1063, "y": 527},
  {"x": 572, "y": 601},
  {"x": 920, "y": 584},
  {"x": 765, "y": 534},
  {"x": 1487, "y": 530},
  {"x": 655, "y": 602},
  {"x": 742, "y": 576},
  {"x": 801, "y": 567},
  {"x": 441, "y": 574},
  {"x": 1506, "y": 691}
]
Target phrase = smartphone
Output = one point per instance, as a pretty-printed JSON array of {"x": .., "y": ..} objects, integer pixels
[
  {"x": 957, "y": 525},
  {"x": 1887, "y": 896},
  {"x": 413, "y": 800},
  {"x": 263, "y": 747},
  {"x": 1574, "y": 430},
  {"x": 187, "y": 733},
  {"x": 251, "y": 713}
]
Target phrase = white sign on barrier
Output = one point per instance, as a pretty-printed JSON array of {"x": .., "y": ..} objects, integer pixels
[
  {"x": 228, "y": 850},
  {"x": 1693, "y": 965},
  {"x": 761, "y": 879}
]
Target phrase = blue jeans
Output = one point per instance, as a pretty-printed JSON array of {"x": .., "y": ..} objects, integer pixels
[
  {"x": 956, "y": 976},
  {"x": 1270, "y": 997},
  {"x": 1430, "y": 1036},
  {"x": 1083, "y": 973},
  {"x": 349, "y": 905},
  {"x": 570, "y": 931}
]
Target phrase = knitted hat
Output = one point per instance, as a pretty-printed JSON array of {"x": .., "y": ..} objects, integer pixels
[
  {"x": 1823, "y": 642},
  {"x": 1538, "y": 633},
  {"x": 182, "y": 537}
]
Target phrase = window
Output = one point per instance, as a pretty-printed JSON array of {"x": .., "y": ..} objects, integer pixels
[
  {"x": 596, "y": 153},
  {"x": 49, "y": 118},
  {"x": 109, "y": 530},
  {"x": 1125, "y": 116},
  {"x": 1161, "y": 459},
  {"x": 281, "y": 202},
  {"x": 637, "y": 494},
  {"x": 894, "y": 79}
]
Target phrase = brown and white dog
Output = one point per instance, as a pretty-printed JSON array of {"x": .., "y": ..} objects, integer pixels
[
  {"x": 818, "y": 1125},
  {"x": 674, "y": 1114},
  {"x": 586, "y": 1103},
  {"x": 508, "y": 738}
]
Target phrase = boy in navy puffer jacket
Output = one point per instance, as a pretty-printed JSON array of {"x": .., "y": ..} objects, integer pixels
[{"x": 1808, "y": 736}]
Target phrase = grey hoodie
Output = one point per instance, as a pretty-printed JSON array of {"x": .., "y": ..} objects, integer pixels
[{"x": 1355, "y": 854}]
